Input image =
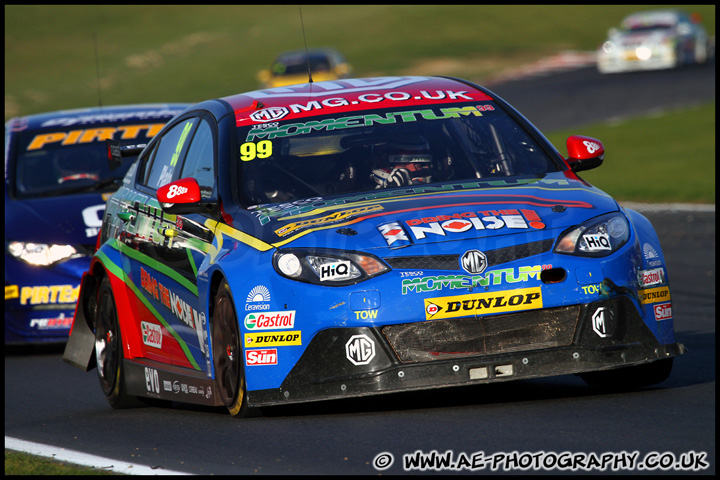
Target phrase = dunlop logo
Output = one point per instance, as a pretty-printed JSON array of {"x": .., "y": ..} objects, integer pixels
[
  {"x": 654, "y": 295},
  {"x": 483, "y": 303},
  {"x": 268, "y": 339}
]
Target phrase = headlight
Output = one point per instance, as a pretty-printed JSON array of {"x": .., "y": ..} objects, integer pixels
[
  {"x": 597, "y": 237},
  {"x": 608, "y": 46},
  {"x": 643, "y": 53},
  {"x": 327, "y": 267},
  {"x": 41, "y": 254}
]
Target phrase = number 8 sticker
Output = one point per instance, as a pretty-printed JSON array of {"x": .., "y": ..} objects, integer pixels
[{"x": 251, "y": 151}]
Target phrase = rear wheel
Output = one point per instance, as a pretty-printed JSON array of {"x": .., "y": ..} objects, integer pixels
[
  {"x": 227, "y": 353},
  {"x": 108, "y": 350},
  {"x": 627, "y": 378}
]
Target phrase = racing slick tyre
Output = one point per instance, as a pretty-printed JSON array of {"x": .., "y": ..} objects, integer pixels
[
  {"x": 227, "y": 353},
  {"x": 628, "y": 378},
  {"x": 108, "y": 351}
]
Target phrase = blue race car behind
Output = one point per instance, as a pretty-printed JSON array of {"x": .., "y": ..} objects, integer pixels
[
  {"x": 57, "y": 180},
  {"x": 365, "y": 236}
]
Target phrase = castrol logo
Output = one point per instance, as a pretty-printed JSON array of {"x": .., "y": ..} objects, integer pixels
[
  {"x": 650, "y": 277},
  {"x": 270, "y": 320}
]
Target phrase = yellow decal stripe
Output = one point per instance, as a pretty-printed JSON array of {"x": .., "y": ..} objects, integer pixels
[{"x": 221, "y": 230}]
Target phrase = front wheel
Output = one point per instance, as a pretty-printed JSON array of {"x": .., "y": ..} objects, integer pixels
[
  {"x": 227, "y": 353},
  {"x": 108, "y": 350}
]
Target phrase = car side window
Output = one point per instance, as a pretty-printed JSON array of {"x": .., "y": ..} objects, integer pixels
[
  {"x": 200, "y": 159},
  {"x": 168, "y": 154}
]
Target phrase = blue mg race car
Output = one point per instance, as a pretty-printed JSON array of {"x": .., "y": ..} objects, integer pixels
[
  {"x": 57, "y": 179},
  {"x": 364, "y": 236}
]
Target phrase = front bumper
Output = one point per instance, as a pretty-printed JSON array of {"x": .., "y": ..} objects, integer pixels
[
  {"x": 626, "y": 61},
  {"x": 349, "y": 362},
  {"x": 40, "y": 301}
]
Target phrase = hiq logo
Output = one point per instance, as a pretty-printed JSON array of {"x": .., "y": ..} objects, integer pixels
[
  {"x": 597, "y": 242},
  {"x": 335, "y": 271}
]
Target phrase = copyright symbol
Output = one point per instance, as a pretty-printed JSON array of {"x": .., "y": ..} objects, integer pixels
[{"x": 383, "y": 461}]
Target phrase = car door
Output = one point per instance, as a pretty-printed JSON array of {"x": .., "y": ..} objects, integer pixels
[{"x": 170, "y": 248}]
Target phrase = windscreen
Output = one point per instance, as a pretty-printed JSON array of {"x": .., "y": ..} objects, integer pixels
[
  {"x": 384, "y": 149},
  {"x": 298, "y": 65},
  {"x": 657, "y": 21},
  {"x": 65, "y": 161}
]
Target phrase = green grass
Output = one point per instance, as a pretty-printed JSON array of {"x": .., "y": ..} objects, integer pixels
[
  {"x": 666, "y": 157},
  {"x": 189, "y": 53},
  {"x": 18, "y": 463}
]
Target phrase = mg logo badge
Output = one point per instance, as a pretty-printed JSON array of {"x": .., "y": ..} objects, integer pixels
[
  {"x": 269, "y": 114},
  {"x": 602, "y": 322},
  {"x": 360, "y": 349},
  {"x": 474, "y": 261}
]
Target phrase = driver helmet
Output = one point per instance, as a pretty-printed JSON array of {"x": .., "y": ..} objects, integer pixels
[{"x": 403, "y": 161}]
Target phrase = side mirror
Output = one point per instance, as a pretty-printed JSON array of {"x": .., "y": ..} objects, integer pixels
[
  {"x": 183, "y": 196},
  {"x": 584, "y": 153},
  {"x": 116, "y": 152}
]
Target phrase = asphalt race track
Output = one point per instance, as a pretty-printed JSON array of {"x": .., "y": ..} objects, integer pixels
[{"x": 517, "y": 425}]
